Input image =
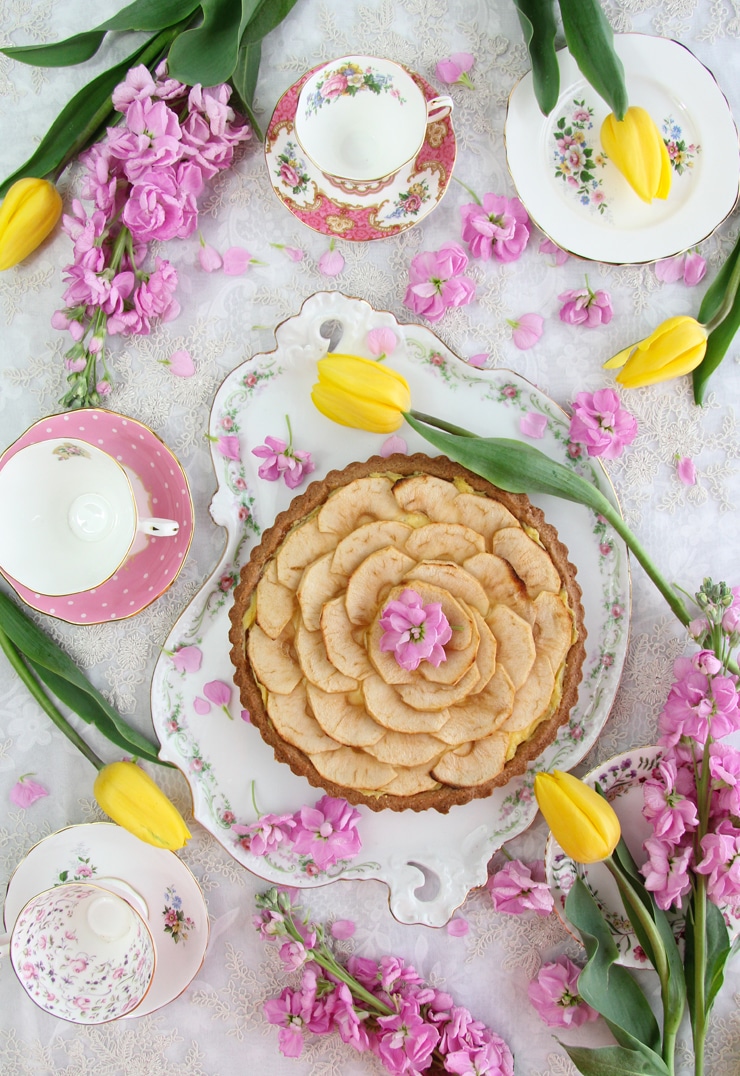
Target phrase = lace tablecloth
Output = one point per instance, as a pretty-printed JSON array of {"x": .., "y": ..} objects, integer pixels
[{"x": 217, "y": 1027}]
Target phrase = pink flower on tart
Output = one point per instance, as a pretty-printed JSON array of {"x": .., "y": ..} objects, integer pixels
[{"x": 415, "y": 632}]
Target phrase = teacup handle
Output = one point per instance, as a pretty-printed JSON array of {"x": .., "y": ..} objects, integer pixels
[
  {"x": 161, "y": 528},
  {"x": 123, "y": 889},
  {"x": 438, "y": 108}
]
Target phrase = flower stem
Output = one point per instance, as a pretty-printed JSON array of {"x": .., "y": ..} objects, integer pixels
[
  {"x": 472, "y": 193},
  {"x": 25, "y": 674}
]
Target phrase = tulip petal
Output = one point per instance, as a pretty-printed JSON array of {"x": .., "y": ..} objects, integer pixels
[
  {"x": 582, "y": 822},
  {"x": 620, "y": 358}
]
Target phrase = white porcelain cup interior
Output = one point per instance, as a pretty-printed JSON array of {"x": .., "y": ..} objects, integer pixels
[
  {"x": 83, "y": 953},
  {"x": 69, "y": 516},
  {"x": 363, "y": 118}
]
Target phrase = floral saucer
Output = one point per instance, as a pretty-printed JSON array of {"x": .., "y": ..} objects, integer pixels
[
  {"x": 576, "y": 195},
  {"x": 168, "y": 895},
  {"x": 160, "y": 488},
  {"x": 195, "y": 707},
  {"x": 312, "y": 197},
  {"x": 621, "y": 778}
]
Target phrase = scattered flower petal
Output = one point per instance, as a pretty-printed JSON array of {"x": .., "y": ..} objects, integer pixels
[
  {"x": 455, "y": 69},
  {"x": 478, "y": 361},
  {"x": 218, "y": 692},
  {"x": 343, "y": 929},
  {"x": 690, "y": 266},
  {"x": 294, "y": 253},
  {"x": 331, "y": 261},
  {"x": 669, "y": 270},
  {"x": 527, "y": 330},
  {"x": 381, "y": 342},
  {"x": 458, "y": 928},
  {"x": 236, "y": 261},
  {"x": 187, "y": 659},
  {"x": 246, "y": 716},
  {"x": 694, "y": 269},
  {"x": 392, "y": 445},
  {"x": 533, "y": 425},
  {"x": 686, "y": 470},
  {"x": 548, "y": 247},
  {"x": 201, "y": 706},
  {"x": 209, "y": 257},
  {"x": 229, "y": 447},
  {"x": 181, "y": 363},
  {"x": 25, "y": 791}
]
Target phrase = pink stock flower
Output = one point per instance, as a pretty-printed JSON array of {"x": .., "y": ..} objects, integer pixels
[
  {"x": 283, "y": 461},
  {"x": 288, "y": 1012},
  {"x": 331, "y": 261},
  {"x": 721, "y": 863},
  {"x": 554, "y": 994},
  {"x": 393, "y": 444},
  {"x": 381, "y": 342},
  {"x": 731, "y": 618},
  {"x": 668, "y": 805},
  {"x": 514, "y": 889},
  {"x": 724, "y": 766},
  {"x": 181, "y": 363},
  {"x": 327, "y": 832},
  {"x": 548, "y": 247},
  {"x": 698, "y": 705},
  {"x": 499, "y": 228},
  {"x": 527, "y": 330},
  {"x": 137, "y": 85},
  {"x": 415, "y": 632},
  {"x": 601, "y": 425},
  {"x": 666, "y": 871},
  {"x": 691, "y": 267},
  {"x": 455, "y": 69},
  {"x": 585, "y": 307},
  {"x": 269, "y": 833},
  {"x": 405, "y": 1040},
  {"x": 436, "y": 282},
  {"x": 187, "y": 659},
  {"x": 533, "y": 425},
  {"x": 25, "y": 791},
  {"x": 686, "y": 470}
]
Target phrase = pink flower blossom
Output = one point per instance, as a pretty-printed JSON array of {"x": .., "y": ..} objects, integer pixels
[
  {"x": 137, "y": 85},
  {"x": 436, "y": 282},
  {"x": 415, "y": 632},
  {"x": 585, "y": 307},
  {"x": 187, "y": 659},
  {"x": 331, "y": 261},
  {"x": 601, "y": 425},
  {"x": 209, "y": 257},
  {"x": 527, "y": 330},
  {"x": 721, "y": 863},
  {"x": 405, "y": 1040},
  {"x": 686, "y": 470},
  {"x": 327, "y": 831},
  {"x": 236, "y": 261},
  {"x": 393, "y": 444},
  {"x": 514, "y": 889},
  {"x": 270, "y": 833},
  {"x": 554, "y": 994},
  {"x": 690, "y": 266},
  {"x": 455, "y": 69},
  {"x": 668, "y": 805},
  {"x": 381, "y": 342},
  {"x": 533, "y": 425},
  {"x": 289, "y": 1013},
  {"x": 25, "y": 791},
  {"x": 283, "y": 461},
  {"x": 548, "y": 247},
  {"x": 499, "y": 228},
  {"x": 341, "y": 929},
  {"x": 666, "y": 871},
  {"x": 181, "y": 364}
]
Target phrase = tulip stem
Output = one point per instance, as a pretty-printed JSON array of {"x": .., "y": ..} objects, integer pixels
[{"x": 25, "y": 674}]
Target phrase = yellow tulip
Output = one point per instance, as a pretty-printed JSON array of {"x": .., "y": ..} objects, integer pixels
[
  {"x": 582, "y": 822},
  {"x": 29, "y": 211},
  {"x": 675, "y": 348},
  {"x": 131, "y": 798},
  {"x": 360, "y": 393},
  {"x": 635, "y": 146}
]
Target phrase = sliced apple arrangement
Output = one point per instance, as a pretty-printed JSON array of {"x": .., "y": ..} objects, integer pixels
[{"x": 306, "y": 634}]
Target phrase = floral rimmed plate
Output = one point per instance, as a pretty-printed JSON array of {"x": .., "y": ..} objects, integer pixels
[
  {"x": 576, "y": 195},
  {"x": 221, "y": 755},
  {"x": 173, "y": 904},
  {"x": 399, "y": 204},
  {"x": 621, "y": 779},
  {"x": 160, "y": 488}
]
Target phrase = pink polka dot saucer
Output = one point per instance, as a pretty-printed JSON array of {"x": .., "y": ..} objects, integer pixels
[{"x": 160, "y": 489}]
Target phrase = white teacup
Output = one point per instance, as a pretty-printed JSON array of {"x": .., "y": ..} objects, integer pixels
[
  {"x": 69, "y": 516},
  {"x": 82, "y": 953},
  {"x": 361, "y": 119}
]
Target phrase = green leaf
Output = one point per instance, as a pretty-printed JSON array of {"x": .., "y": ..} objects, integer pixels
[
  {"x": 56, "y": 668},
  {"x": 244, "y": 81},
  {"x": 207, "y": 54},
  {"x": 267, "y": 16},
  {"x": 715, "y": 293},
  {"x": 141, "y": 15},
  {"x": 105, "y": 719},
  {"x": 718, "y": 342},
  {"x": 717, "y": 951},
  {"x": 615, "y": 1061},
  {"x": 605, "y": 985},
  {"x": 537, "y": 20},
  {"x": 590, "y": 41}
]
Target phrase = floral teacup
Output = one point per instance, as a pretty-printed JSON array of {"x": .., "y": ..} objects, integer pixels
[
  {"x": 361, "y": 119},
  {"x": 83, "y": 953}
]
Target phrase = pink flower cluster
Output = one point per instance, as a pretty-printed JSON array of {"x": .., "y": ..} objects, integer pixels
[
  {"x": 498, "y": 228},
  {"x": 143, "y": 179},
  {"x": 406, "y": 1024},
  {"x": 701, "y": 710},
  {"x": 283, "y": 461},
  {"x": 554, "y": 994},
  {"x": 325, "y": 833},
  {"x": 690, "y": 267},
  {"x": 601, "y": 424},
  {"x": 582, "y": 306},
  {"x": 436, "y": 281},
  {"x": 520, "y": 887},
  {"x": 415, "y": 632}
]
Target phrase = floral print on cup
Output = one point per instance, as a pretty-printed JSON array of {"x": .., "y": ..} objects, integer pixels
[
  {"x": 347, "y": 81},
  {"x": 68, "y": 450},
  {"x": 291, "y": 169},
  {"x": 176, "y": 923},
  {"x": 576, "y": 163}
]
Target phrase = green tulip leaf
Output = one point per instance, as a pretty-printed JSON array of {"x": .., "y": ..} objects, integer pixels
[
  {"x": 267, "y": 16},
  {"x": 141, "y": 15},
  {"x": 207, "y": 54},
  {"x": 717, "y": 951},
  {"x": 537, "y": 20},
  {"x": 715, "y": 293},
  {"x": 590, "y": 41},
  {"x": 616, "y": 1061},
  {"x": 718, "y": 343},
  {"x": 244, "y": 81},
  {"x": 604, "y": 984}
]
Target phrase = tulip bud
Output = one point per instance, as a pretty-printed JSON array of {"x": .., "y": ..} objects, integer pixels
[
  {"x": 582, "y": 822},
  {"x": 636, "y": 148},
  {"x": 29, "y": 211},
  {"x": 360, "y": 393},
  {"x": 131, "y": 798},
  {"x": 675, "y": 348}
]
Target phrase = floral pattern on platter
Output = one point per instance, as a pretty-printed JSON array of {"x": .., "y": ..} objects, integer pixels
[
  {"x": 68, "y": 450},
  {"x": 291, "y": 170},
  {"x": 409, "y": 202},
  {"x": 176, "y": 923},
  {"x": 575, "y": 160},
  {"x": 680, "y": 154},
  {"x": 347, "y": 81}
]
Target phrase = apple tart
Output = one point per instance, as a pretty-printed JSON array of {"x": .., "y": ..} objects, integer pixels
[{"x": 333, "y": 699}]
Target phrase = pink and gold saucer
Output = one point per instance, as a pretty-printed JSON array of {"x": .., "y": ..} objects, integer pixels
[
  {"x": 160, "y": 489},
  {"x": 388, "y": 208}
]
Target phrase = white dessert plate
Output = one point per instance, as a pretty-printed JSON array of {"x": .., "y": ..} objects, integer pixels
[
  {"x": 577, "y": 196},
  {"x": 175, "y": 907},
  {"x": 221, "y": 755}
]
